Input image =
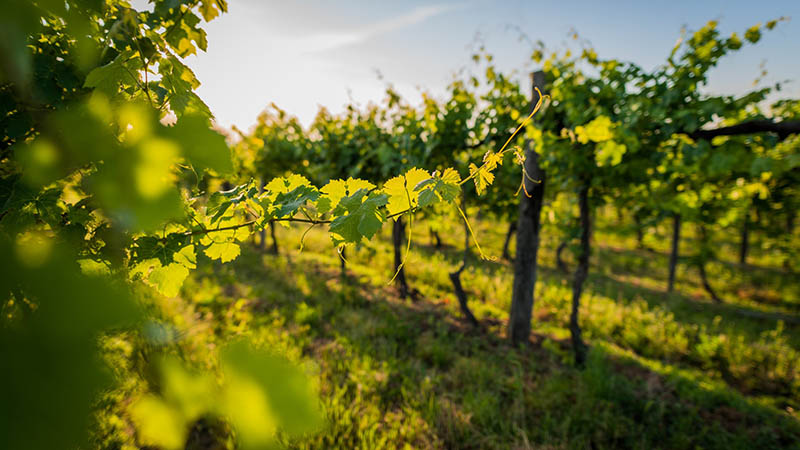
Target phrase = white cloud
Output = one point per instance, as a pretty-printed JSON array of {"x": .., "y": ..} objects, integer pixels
[{"x": 328, "y": 41}]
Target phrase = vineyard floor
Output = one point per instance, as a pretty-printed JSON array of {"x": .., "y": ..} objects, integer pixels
[{"x": 665, "y": 371}]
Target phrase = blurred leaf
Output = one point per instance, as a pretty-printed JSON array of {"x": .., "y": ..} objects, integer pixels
[
  {"x": 598, "y": 130},
  {"x": 203, "y": 147},
  {"x": 168, "y": 279},
  {"x": 263, "y": 393},
  {"x": 609, "y": 153},
  {"x": 158, "y": 423},
  {"x": 59, "y": 337},
  {"x": 260, "y": 395}
]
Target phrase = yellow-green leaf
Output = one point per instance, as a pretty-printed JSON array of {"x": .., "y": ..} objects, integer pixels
[
  {"x": 400, "y": 190},
  {"x": 598, "y": 130},
  {"x": 609, "y": 153},
  {"x": 158, "y": 423},
  {"x": 335, "y": 190},
  {"x": 224, "y": 251},
  {"x": 451, "y": 176},
  {"x": 492, "y": 159},
  {"x": 264, "y": 393},
  {"x": 483, "y": 178},
  {"x": 168, "y": 279},
  {"x": 359, "y": 216},
  {"x": 186, "y": 257}
]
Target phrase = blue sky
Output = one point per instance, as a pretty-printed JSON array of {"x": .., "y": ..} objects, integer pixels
[{"x": 305, "y": 54}]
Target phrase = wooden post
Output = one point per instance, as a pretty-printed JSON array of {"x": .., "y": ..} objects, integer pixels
[
  {"x": 398, "y": 237},
  {"x": 528, "y": 227},
  {"x": 581, "y": 273}
]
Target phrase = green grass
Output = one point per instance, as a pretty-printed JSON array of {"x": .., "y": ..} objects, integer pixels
[{"x": 665, "y": 371}]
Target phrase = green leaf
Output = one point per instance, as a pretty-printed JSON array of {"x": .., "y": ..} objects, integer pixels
[
  {"x": 283, "y": 185},
  {"x": 290, "y": 202},
  {"x": 359, "y": 217},
  {"x": 260, "y": 395},
  {"x": 52, "y": 353},
  {"x": 93, "y": 268},
  {"x": 441, "y": 188},
  {"x": 157, "y": 423},
  {"x": 165, "y": 250},
  {"x": 221, "y": 244},
  {"x": 264, "y": 393},
  {"x": 203, "y": 147},
  {"x": 137, "y": 185},
  {"x": 186, "y": 257},
  {"x": 753, "y": 34},
  {"x": 211, "y": 9},
  {"x": 168, "y": 279},
  {"x": 164, "y": 421},
  {"x": 609, "y": 153},
  {"x": 109, "y": 78},
  {"x": 598, "y": 130}
]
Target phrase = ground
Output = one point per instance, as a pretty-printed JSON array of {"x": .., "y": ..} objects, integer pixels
[{"x": 664, "y": 371}]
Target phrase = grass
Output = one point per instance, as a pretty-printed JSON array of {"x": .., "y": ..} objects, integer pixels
[{"x": 665, "y": 371}]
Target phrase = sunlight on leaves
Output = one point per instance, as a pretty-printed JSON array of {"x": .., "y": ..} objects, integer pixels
[
  {"x": 598, "y": 130},
  {"x": 400, "y": 190}
]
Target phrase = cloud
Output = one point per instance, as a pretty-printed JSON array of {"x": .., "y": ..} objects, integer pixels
[{"x": 328, "y": 41}]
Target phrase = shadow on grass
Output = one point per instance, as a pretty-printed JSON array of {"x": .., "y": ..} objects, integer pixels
[
  {"x": 473, "y": 390},
  {"x": 739, "y": 281}
]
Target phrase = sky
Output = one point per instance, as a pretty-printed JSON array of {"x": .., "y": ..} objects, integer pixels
[{"x": 302, "y": 55}]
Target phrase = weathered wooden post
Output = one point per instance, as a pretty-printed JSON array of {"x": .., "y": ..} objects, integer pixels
[{"x": 528, "y": 227}]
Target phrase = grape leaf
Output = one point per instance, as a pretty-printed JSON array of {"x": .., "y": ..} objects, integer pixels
[
  {"x": 211, "y": 9},
  {"x": 264, "y": 393},
  {"x": 283, "y": 185},
  {"x": 609, "y": 153},
  {"x": 598, "y": 130},
  {"x": 290, "y": 202},
  {"x": 168, "y": 279},
  {"x": 203, "y": 147},
  {"x": 223, "y": 251},
  {"x": 108, "y": 78},
  {"x": 359, "y": 217},
  {"x": 222, "y": 244},
  {"x": 400, "y": 190},
  {"x": 441, "y": 188},
  {"x": 483, "y": 178},
  {"x": 60, "y": 339},
  {"x": 158, "y": 423},
  {"x": 336, "y": 189},
  {"x": 492, "y": 160}
]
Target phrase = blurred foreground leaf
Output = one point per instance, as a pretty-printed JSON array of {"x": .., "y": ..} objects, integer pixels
[
  {"x": 50, "y": 371},
  {"x": 260, "y": 395}
]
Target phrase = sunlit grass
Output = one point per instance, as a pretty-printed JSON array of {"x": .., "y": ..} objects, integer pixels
[{"x": 664, "y": 370}]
